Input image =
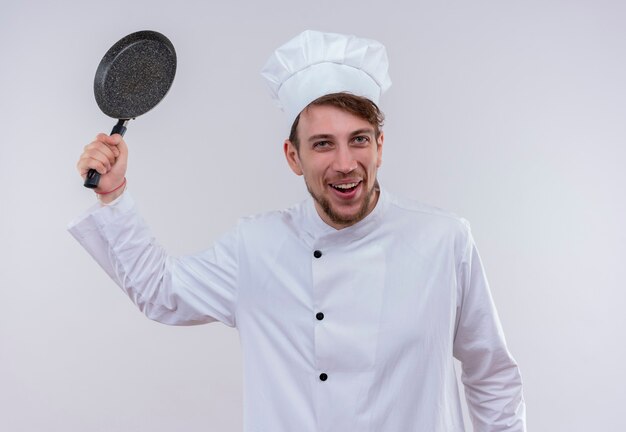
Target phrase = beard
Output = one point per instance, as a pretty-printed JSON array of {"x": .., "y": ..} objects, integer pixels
[{"x": 339, "y": 219}]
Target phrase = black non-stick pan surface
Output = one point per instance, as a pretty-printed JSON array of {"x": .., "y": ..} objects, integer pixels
[{"x": 133, "y": 77}]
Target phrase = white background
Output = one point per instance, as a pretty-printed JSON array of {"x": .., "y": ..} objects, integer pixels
[{"x": 509, "y": 113}]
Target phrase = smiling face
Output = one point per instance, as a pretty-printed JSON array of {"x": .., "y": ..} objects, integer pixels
[{"x": 338, "y": 154}]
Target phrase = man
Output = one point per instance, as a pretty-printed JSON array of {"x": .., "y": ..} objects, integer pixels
[{"x": 351, "y": 305}]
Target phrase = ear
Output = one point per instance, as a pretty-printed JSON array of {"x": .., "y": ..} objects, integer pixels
[
  {"x": 293, "y": 159},
  {"x": 379, "y": 149}
]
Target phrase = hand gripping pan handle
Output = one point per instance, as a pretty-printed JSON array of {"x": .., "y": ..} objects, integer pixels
[
  {"x": 93, "y": 176},
  {"x": 133, "y": 77}
]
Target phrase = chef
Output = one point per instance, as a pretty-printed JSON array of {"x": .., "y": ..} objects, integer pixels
[{"x": 352, "y": 305}]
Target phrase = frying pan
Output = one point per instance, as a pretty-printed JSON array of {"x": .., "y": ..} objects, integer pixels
[{"x": 134, "y": 75}]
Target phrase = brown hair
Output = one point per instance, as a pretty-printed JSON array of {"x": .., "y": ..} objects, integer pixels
[{"x": 357, "y": 105}]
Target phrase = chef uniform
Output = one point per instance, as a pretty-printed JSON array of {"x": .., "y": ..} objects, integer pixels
[{"x": 350, "y": 330}]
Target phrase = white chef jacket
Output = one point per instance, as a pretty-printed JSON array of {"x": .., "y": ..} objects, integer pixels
[{"x": 350, "y": 330}]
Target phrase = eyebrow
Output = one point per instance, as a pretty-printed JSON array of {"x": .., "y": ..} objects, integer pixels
[
  {"x": 320, "y": 136},
  {"x": 362, "y": 132},
  {"x": 352, "y": 134}
]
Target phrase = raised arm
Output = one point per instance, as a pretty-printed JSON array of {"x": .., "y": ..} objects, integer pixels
[{"x": 173, "y": 290}]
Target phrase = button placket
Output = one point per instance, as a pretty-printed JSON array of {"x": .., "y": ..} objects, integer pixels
[
  {"x": 318, "y": 254},
  {"x": 319, "y": 316}
]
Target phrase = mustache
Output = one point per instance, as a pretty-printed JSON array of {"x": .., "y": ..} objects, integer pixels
[{"x": 352, "y": 175}]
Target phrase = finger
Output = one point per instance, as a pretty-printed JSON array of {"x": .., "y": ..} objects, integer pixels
[
  {"x": 102, "y": 154},
  {"x": 98, "y": 156},
  {"x": 111, "y": 152},
  {"x": 115, "y": 141},
  {"x": 114, "y": 150},
  {"x": 85, "y": 163},
  {"x": 112, "y": 140},
  {"x": 122, "y": 147}
]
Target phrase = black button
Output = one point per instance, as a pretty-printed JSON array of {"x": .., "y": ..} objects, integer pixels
[
  {"x": 319, "y": 316},
  {"x": 323, "y": 377},
  {"x": 317, "y": 254}
]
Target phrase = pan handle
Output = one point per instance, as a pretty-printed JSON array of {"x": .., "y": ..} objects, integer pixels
[{"x": 93, "y": 176}]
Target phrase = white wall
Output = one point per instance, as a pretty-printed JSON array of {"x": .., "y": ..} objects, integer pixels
[{"x": 511, "y": 114}]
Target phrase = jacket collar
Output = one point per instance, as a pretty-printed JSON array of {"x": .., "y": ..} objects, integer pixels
[{"x": 320, "y": 233}]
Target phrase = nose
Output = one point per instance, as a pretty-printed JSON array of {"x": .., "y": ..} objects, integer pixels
[{"x": 344, "y": 161}]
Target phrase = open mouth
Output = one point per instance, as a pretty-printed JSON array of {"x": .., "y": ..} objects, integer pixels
[{"x": 345, "y": 188}]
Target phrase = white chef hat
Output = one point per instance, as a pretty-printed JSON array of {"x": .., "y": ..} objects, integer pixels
[{"x": 315, "y": 64}]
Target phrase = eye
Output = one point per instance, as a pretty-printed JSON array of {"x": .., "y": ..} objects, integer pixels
[
  {"x": 361, "y": 139},
  {"x": 321, "y": 145}
]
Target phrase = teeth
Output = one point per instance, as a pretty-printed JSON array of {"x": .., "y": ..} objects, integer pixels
[{"x": 345, "y": 185}]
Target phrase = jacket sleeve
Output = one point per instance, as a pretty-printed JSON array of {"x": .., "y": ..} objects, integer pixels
[
  {"x": 492, "y": 381},
  {"x": 188, "y": 290}
]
